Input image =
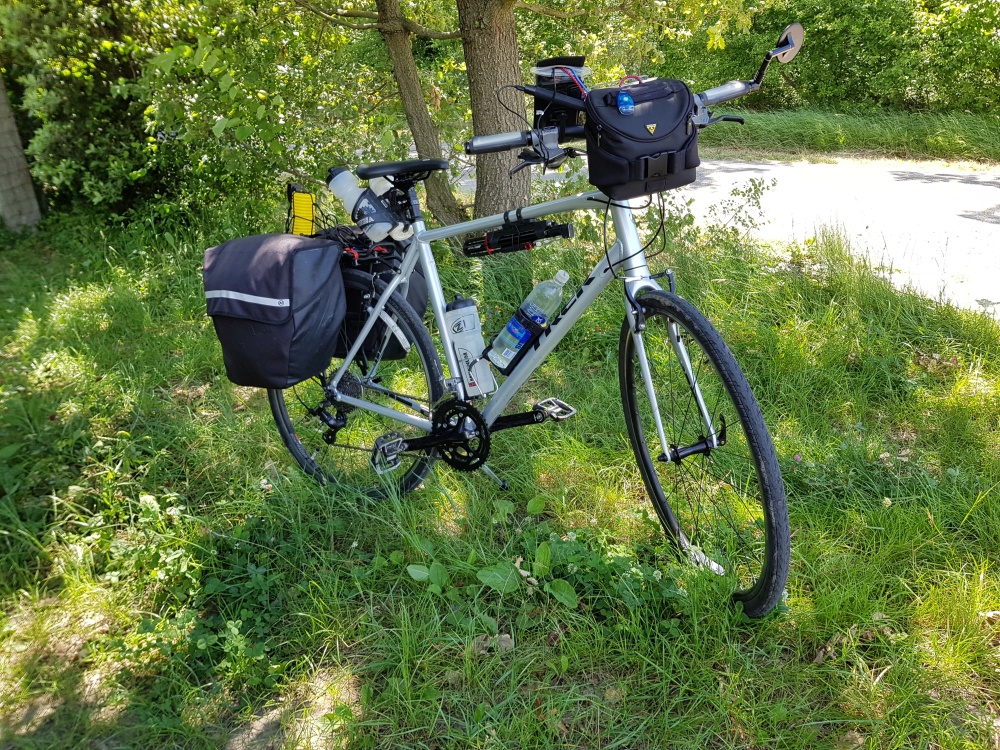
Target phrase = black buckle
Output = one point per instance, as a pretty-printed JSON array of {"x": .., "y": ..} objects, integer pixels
[{"x": 660, "y": 165}]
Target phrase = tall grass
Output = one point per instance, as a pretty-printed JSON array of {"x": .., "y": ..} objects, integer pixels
[
  {"x": 889, "y": 134},
  {"x": 170, "y": 579}
]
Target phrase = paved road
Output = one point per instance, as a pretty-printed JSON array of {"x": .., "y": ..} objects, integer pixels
[{"x": 938, "y": 225}]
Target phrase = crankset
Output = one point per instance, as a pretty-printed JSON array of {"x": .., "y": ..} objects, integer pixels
[{"x": 459, "y": 434}]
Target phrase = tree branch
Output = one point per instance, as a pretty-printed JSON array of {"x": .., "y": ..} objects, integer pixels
[
  {"x": 338, "y": 15},
  {"x": 550, "y": 12},
  {"x": 417, "y": 30}
]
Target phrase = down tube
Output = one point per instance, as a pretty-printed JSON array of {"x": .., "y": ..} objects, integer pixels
[{"x": 571, "y": 312}]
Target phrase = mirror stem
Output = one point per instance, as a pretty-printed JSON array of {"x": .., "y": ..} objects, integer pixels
[{"x": 759, "y": 78}]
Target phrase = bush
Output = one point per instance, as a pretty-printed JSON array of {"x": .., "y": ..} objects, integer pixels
[{"x": 861, "y": 54}]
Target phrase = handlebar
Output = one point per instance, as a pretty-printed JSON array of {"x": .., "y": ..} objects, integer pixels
[
  {"x": 726, "y": 92},
  {"x": 488, "y": 144}
]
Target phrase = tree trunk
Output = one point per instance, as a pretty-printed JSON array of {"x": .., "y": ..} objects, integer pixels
[
  {"x": 18, "y": 204},
  {"x": 489, "y": 37},
  {"x": 440, "y": 200}
]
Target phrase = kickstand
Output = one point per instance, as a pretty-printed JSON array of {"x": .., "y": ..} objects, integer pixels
[{"x": 489, "y": 472}]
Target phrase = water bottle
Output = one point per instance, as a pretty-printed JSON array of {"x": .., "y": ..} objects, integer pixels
[
  {"x": 370, "y": 212},
  {"x": 462, "y": 319},
  {"x": 380, "y": 186},
  {"x": 531, "y": 317}
]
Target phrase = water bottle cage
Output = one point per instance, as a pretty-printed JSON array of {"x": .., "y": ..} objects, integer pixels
[{"x": 534, "y": 329}]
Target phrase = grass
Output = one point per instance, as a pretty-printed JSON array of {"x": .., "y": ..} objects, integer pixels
[
  {"x": 170, "y": 579},
  {"x": 890, "y": 134}
]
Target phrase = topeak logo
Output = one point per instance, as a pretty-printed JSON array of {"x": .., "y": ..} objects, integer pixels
[{"x": 651, "y": 128}]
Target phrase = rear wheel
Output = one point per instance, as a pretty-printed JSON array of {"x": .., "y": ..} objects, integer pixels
[
  {"x": 333, "y": 441},
  {"x": 719, "y": 492}
]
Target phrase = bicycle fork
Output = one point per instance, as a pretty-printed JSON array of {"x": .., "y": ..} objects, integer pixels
[{"x": 668, "y": 452}]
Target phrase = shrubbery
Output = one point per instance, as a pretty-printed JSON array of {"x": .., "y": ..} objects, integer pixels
[
  {"x": 860, "y": 54},
  {"x": 119, "y": 102}
]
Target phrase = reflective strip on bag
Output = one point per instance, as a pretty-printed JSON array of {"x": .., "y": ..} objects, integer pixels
[{"x": 253, "y": 299}]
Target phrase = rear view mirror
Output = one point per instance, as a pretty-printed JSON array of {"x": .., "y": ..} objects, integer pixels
[{"x": 793, "y": 36}]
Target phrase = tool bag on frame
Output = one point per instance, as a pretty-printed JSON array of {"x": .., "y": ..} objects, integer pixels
[
  {"x": 653, "y": 149},
  {"x": 277, "y": 302}
]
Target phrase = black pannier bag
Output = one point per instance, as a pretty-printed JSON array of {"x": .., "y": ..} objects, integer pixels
[
  {"x": 382, "y": 260},
  {"x": 277, "y": 302},
  {"x": 651, "y": 150}
]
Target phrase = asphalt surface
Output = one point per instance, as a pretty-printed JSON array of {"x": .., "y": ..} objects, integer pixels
[{"x": 934, "y": 226}]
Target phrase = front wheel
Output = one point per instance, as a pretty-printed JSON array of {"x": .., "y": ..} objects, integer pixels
[{"x": 713, "y": 477}]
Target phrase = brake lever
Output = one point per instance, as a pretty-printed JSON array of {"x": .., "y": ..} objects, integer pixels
[
  {"x": 528, "y": 158},
  {"x": 703, "y": 118}
]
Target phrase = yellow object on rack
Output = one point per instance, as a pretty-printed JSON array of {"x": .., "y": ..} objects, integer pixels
[{"x": 303, "y": 213}]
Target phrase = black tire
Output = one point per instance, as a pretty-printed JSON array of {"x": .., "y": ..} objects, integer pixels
[
  {"x": 725, "y": 509},
  {"x": 410, "y": 384}
]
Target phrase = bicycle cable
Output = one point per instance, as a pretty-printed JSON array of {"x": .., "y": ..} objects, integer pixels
[{"x": 660, "y": 229}]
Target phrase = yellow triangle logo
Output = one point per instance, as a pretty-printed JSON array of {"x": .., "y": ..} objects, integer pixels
[{"x": 651, "y": 128}]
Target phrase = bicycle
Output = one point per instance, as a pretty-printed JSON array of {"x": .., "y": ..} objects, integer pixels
[{"x": 704, "y": 452}]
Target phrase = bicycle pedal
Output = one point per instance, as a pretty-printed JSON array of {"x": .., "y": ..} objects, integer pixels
[
  {"x": 386, "y": 453},
  {"x": 555, "y": 409}
]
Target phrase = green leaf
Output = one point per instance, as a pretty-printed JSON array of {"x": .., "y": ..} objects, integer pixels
[
  {"x": 502, "y": 577},
  {"x": 434, "y": 589},
  {"x": 225, "y": 82},
  {"x": 536, "y": 505},
  {"x": 9, "y": 450},
  {"x": 199, "y": 56},
  {"x": 243, "y": 132},
  {"x": 165, "y": 61},
  {"x": 219, "y": 127},
  {"x": 490, "y": 624},
  {"x": 438, "y": 574},
  {"x": 396, "y": 557},
  {"x": 418, "y": 572},
  {"x": 260, "y": 112},
  {"x": 505, "y": 508},
  {"x": 210, "y": 63},
  {"x": 543, "y": 560},
  {"x": 563, "y": 592}
]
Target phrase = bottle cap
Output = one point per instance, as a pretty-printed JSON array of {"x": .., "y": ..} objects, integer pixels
[
  {"x": 561, "y": 278},
  {"x": 334, "y": 171}
]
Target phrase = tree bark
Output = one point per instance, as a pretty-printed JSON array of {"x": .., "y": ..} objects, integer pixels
[
  {"x": 440, "y": 200},
  {"x": 18, "y": 204},
  {"x": 489, "y": 37}
]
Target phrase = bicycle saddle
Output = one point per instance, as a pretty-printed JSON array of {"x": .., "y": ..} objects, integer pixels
[{"x": 413, "y": 170}]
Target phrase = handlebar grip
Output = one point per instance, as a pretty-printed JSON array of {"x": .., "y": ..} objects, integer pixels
[
  {"x": 488, "y": 144},
  {"x": 726, "y": 92}
]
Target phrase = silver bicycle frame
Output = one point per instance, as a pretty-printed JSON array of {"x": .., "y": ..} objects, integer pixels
[{"x": 626, "y": 257}]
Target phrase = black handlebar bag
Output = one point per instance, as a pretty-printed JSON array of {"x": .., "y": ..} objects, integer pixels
[
  {"x": 277, "y": 302},
  {"x": 652, "y": 150}
]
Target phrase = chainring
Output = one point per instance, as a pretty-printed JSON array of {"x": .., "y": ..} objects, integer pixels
[{"x": 469, "y": 446}]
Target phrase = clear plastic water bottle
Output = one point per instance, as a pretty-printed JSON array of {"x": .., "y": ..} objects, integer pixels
[
  {"x": 370, "y": 212},
  {"x": 534, "y": 313}
]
